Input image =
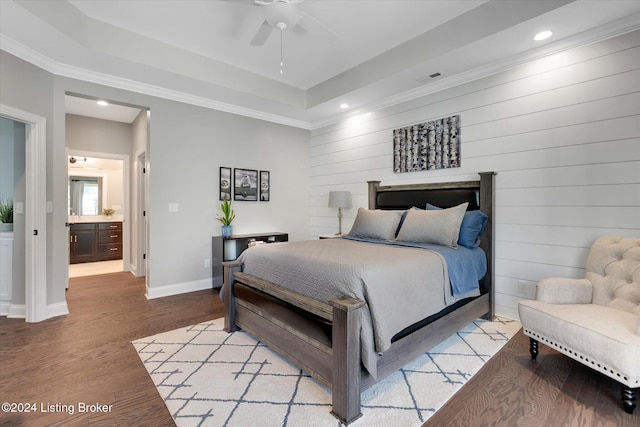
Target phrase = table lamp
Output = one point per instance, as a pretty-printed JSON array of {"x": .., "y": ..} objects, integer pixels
[{"x": 340, "y": 199}]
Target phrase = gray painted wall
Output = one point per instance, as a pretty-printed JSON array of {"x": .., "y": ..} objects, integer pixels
[
  {"x": 188, "y": 144},
  {"x": 31, "y": 90},
  {"x": 97, "y": 135}
]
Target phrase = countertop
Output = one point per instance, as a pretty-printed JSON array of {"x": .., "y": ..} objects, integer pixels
[{"x": 76, "y": 219}]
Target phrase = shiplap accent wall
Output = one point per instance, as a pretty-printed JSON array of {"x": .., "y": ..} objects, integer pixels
[{"x": 563, "y": 133}]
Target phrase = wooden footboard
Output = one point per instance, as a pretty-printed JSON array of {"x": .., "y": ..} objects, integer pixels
[
  {"x": 265, "y": 313},
  {"x": 292, "y": 325}
]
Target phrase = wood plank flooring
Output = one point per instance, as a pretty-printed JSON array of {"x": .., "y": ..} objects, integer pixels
[
  {"x": 87, "y": 356},
  {"x": 513, "y": 390}
]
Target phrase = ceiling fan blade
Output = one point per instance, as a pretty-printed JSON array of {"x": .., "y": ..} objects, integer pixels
[
  {"x": 315, "y": 27},
  {"x": 262, "y": 35}
]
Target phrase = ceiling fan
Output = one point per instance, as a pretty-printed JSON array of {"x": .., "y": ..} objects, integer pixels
[{"x": 284, "y": 15}]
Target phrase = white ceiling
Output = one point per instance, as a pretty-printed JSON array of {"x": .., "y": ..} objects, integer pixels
[
  {"x": 92, "y": 165},
  {"x": 89, "y": 107},
  {"x": 367, "y": 53}
]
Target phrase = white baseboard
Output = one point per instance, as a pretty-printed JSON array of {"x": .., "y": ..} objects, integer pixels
[
  {"x": 178, "y": 288},
  {"x": 4, "y": 307},
  {"x": 59, "y": 309},
  {"x": 17, "y": 311}
]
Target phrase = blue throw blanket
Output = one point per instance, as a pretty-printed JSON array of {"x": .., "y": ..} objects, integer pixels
[{"x": 466, "y": 266}]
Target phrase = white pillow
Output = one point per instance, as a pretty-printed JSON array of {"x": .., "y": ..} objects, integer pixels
[
  {"x": 440, "y": 227},
  {"x": 375, "y": 224}
]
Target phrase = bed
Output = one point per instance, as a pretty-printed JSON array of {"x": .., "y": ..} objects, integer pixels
[{"x": 346, "y": 340}]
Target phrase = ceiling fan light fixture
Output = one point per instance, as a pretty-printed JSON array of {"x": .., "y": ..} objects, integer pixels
[{"x": 281, "y": 15}]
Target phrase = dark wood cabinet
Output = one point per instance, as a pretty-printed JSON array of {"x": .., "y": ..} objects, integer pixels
[
  {"x": 109, "y": 240},
  {"x": 95, "y": 241},
  {"x": 229, "y": 248},
  {"x": 82, "y": 243}
]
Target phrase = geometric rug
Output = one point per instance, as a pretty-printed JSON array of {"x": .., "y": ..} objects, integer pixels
[{"x": 208, "y": 377}]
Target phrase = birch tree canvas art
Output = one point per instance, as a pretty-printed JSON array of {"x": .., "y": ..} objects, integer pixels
[{"x": 427, "y": 146}]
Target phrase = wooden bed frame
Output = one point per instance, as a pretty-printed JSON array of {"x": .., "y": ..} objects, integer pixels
[{"x": 296, "y": 326}]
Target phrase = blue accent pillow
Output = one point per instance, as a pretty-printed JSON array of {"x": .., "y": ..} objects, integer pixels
[{"x": 473, "y": 224}]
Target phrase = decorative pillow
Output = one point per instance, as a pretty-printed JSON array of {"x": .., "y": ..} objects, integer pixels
[
  {"x": 440, "y": 227},
  {"x": 375, "y": 224},
  {"x": 473, "y": 225}
]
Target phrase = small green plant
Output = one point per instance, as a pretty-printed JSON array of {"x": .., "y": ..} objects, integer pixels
[
  {"x": 228, "y": 215},
  {"x": 108, "y": 211},
  {"x": 6, "y": 211}
]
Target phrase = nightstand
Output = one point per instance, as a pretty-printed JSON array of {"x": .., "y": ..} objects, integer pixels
[{"x": 230, "y": 248}]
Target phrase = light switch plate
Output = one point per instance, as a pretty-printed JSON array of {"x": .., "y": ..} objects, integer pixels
[
  {"x": 173, "y": 207},
  {"x": 19, "y": 207}
]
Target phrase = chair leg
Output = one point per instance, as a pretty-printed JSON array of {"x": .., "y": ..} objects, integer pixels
[
  {"x": 533, "y": 348},
  {"x": 629, "y": 398}
]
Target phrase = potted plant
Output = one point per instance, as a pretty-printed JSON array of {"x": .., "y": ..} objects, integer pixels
[
  {"x": 108, "y": 212},
  {"x": 6, "y": 215},
  {"x": 227, "y": 217}
]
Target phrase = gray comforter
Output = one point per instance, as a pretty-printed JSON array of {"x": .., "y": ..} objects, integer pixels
[{"x": 400, "y": 285}]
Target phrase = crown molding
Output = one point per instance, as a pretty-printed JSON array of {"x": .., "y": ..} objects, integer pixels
[
  {"x": 623, "y": 26},
  {"x": 29, "y": 55}
]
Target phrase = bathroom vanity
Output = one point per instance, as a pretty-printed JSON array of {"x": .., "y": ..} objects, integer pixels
[{"x": 95, "y": 241}]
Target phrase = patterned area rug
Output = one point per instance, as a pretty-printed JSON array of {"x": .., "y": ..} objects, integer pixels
[{"x": 208, "y": 377}]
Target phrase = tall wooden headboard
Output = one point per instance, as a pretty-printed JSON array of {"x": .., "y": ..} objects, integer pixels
[{"x": 479, "y": 194}]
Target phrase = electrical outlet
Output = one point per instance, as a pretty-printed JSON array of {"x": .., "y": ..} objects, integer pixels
[
  {"x": 207, "y": 263},
  {"x": 524, "y": 286}
]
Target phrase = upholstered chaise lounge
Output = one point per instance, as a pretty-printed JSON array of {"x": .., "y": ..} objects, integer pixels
[{"x": 595, "y": 320}]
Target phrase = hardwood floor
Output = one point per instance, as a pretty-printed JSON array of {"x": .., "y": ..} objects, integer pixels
[
  {"x": 513, "y": 390},
  {"x": 87, "y": 357}
]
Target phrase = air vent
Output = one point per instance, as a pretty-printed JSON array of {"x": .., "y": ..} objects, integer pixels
[{"x": 429, "y": 77}]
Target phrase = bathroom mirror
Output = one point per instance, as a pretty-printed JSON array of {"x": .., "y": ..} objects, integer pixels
[{"x": 85, "y": 195}]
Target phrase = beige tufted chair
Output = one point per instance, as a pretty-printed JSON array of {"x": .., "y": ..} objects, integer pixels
[{"x": 595, "y": 320}]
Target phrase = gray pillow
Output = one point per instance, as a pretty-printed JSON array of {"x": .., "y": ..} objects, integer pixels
[
  {"x": 375, "y": 224},
  {"x": 440, "y": 227}
]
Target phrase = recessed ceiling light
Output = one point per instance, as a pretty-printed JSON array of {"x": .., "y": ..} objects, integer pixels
[
  {"x": 102, "y": 103},
  {"x": 542, "y": 35},
  {"x": 344, "y": 106}
]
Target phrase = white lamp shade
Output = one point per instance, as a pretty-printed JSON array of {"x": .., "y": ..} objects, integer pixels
[{"x": 340, "y": 199}]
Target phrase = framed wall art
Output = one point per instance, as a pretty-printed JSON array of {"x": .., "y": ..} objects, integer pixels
[
  {"x": 427, "y": 146},
  {"x": 225, "y": 183},
  {"x": 265, "y": 186},
  {"x": 245, "y": 184}
]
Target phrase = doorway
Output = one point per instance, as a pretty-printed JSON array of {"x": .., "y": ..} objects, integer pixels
[
  {"x": 97, "y": 209},
  {"x": 34, "y": 308},
  {"x": 106, "y": 132}
]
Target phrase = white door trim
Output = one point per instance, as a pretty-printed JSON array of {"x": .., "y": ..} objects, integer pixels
[
  {"x": 35, "y": 211},
  {"x": 140, "y": 206}
]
